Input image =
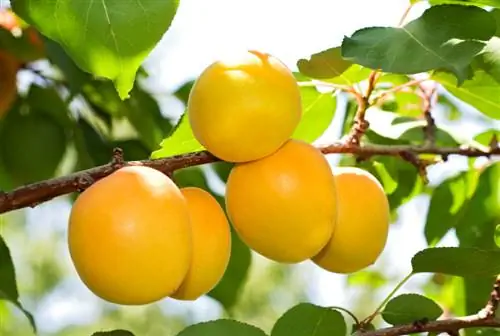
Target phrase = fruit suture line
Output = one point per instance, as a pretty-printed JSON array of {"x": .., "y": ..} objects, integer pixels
[{"x": 36, "y": 193}]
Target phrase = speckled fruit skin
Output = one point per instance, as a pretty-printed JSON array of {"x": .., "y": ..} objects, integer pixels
[
  {"x": 283, "y": 206},
  {"x": 362, "y": 225},
  {"x": 130, "y": 237},
  {"x": 211, "y": 244},
  {"x": 245, "y": 106}
]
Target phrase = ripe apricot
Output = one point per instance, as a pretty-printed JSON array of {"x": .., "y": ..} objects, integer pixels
[
  {"x": 130, "y": 237},
  {"x": 244, "y": 107},
  {"x": 362, "y": 223},
  {"x": 211, "y": 244},
  {"x": 9, "y": 66},
  {"x": 283, "y": 206}
]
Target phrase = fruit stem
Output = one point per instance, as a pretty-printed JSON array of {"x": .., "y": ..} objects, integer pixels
[
  {"x": 356, "y": 320},
  {"x": 370, "y": 318}
]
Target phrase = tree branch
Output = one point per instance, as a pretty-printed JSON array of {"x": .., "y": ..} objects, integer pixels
[
  {"x": 440, "y": 326},
  {"x": 39, "y": 192}
]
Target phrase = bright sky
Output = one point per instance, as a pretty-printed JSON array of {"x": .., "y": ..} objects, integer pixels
[{"x": 204, "y": 30}]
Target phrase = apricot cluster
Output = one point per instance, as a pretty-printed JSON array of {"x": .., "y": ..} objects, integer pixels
[
  {"x": 135, "y": 237},
  {"x": 282, "y": 197}
]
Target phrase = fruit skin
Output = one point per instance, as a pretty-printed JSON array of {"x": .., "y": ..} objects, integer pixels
[
  {"x": 244, "y": 107},
  {"x": 130, "y": 237},
  {"x": 362, "y": 224},
  {"x": 9, "y": 66},
  {"x": 211, "y": 244},
  {"x": 283, "y": 205}
]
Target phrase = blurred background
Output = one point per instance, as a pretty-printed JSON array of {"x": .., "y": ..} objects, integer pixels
[{"x": 201, "y": 32}]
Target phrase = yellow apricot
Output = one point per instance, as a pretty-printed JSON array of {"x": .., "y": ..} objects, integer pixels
[
  {"x": 130, "y": 236},
  {"x": 211, "y": 244},
  {"x": 362, "y": 224},
  {"x": 244, "y": 107},
  {"x": 9, "y": 66},
  {"x": 283, "y": 206}
]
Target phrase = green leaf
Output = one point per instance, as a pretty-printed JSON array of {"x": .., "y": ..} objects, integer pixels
[
  {"x": 117, "y": 332},
  {"x": 222, "y": 327},
  {"x": 482, "y": 91},
  {"x": 458, "y": 261},
  {"x": 408, "y": 308},
  {"x": 29, "y": 135},
  {"x": 444, "y": 37},
  {"x": 324, "y": 65},
  {"x": 180, "y": 141},
  {"x": 444, "y": 208},
  {"x": 223, "y": 169},
  {"x": 413, "y": 132},
  {"x": 497, "y": 235},
  {"x": 182, "y": 93},
  {"x": 489, "y": 59},
  {"x": 21, "y": 46},
  {"x": 355, "y": 74},
  {"x": 102, "y": 37},
  {"x": 306, "y": 319},
  {"x": 8, "y": 285},
  {"x": 493, "y": 3},
  {"x": 318, "y": 110},
  {"x": 486, "y": 137}
]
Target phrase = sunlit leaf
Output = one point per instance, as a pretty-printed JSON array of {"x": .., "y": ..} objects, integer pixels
[
  {"x": 102, "y": 37},
  {"x": 324, "y": 64}
]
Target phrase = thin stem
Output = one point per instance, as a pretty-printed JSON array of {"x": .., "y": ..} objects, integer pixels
[
  {"x": 405, "y": 15},
  {"x": 356, "y": 320},
  {"x": 387, "y": 298}
]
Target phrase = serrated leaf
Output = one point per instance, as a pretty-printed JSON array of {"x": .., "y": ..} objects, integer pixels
[
  {"x": 180, "y": 141},
  {"x": 482, "y": 91},
  {"x": 324, "y": 65},
  {"x": 318, "y": 110},
  {"x": 117, "y": 332},
  {"x": 8, "y": 284},
  {"x": 306, "y": 319},
  {"x": 102, "y": 37},
  {"x": 408, "y": 308},
  {"x": 446, "y": 202},
  {"x": 222, "y": 327},
  {"x": 458, "y": 261},
  {"x": 444, "y": 37}
]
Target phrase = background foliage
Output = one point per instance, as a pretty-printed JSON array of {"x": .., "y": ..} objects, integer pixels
[{"x": 69, "y": 113}]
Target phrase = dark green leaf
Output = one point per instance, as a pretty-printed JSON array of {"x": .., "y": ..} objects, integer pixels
[
  {"x": 413, "y": 132},
  {"x": 306, "y": 319},
  {"x": 324, "y": 65},
  {"x": 117, "y": 332},
  {"x": 223, "y": 169},
  {"x": 8, "y": 285},
  {"x": 29, "y": 135},
  {"x": 318, "y": 110},
  {"x": 96, "y": 145},
  {"x": 222, "y": 327},
  {"x": 482, "y": 91},
  {"x": 458, "y": 261},
  {"x": 133, "y": 150},
  {"x": 73, "y": 75},
  {"x": 409, "y": 308},
  {"x": 444, "y": 37},
  {"x": 102, "y": 37},
  {"x": 182, "y": 92},
  {"x": 180, "y": 141},
  {"x": 22, "y": 47},
  {"x": 444, "y": 208}
]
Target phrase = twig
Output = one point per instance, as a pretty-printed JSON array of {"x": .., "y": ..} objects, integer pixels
[
  {"x": 360, "y": 123},
  {"x": 39, "y": 192},
  {"x": 378, "y": 99},
  {"x": 450, "y": 326},
  {"x": 430, "y": 127},
  {"x": 492, "y": 305}
]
